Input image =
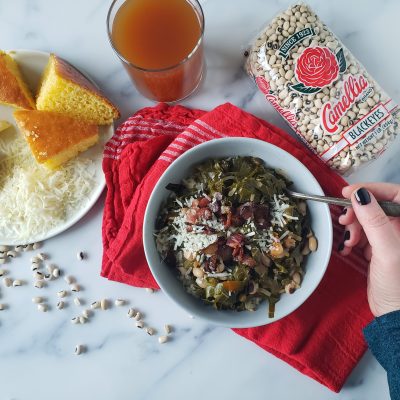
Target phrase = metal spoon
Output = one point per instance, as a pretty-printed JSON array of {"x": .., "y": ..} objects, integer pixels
[{"x": 391, "y": 209}]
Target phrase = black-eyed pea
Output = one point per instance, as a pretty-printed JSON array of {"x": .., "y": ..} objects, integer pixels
[
  {"x": 306, "y": 250},
  {"x": 312, "y": 243},
  {"x": 198, "y": 272}
]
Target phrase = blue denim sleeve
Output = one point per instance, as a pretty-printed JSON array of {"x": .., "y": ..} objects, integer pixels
[{"x": 383, "y": 338}]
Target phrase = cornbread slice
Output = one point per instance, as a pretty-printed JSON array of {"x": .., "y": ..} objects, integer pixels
[
  {"x": 64, "y": 89},
  {"x": 13, "y": 90},
  {"x": 55, "y": 138},
  {"x": 4, "y": 125}
]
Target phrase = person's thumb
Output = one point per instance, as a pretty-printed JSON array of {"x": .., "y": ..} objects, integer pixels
[{"x": 376, "y": 224}]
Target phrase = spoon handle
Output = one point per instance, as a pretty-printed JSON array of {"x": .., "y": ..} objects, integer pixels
[{"x": 391, "y": 209}]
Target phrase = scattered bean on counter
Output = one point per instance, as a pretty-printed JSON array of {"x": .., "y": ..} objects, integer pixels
[
  {"x": 35, "y": 260},
  {"x": 60, "y": 305},
  {"x": 150, "y": 331},
  {"x": 37, "y": 299},
  {"x": 37, "y": 275},
  {"x": 19, "y": 248},
  {"x": 162, "y": 339},
  {"x": 167, "y": 329},
  {"x": 7, "y": 282},
  {"x": 119, "y": 302},
  {"x": 42, "y": 307},
  {"x": 47, "y": 277},
  {"x": 79, "y": 349},
  {"x": 54, "y": 272},
  {"x": 140, "y": 324},
  {"x": 39, "y": 284},
  {"x": 75, "y": 287},
  {"x": 42, "y": 256},
  {"x": 69, "y": 279},
  {"x": 104, "y": 304},
  {"x": 62, "y": 293},
  {"x": 95, "y": 304},
  {"x": 50, "y": 268}
]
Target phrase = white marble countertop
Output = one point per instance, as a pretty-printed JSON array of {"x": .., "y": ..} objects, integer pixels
[{"x": 36, "y": 349}]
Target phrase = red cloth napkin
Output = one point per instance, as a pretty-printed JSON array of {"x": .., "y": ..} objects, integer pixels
[{"x": 323, "y": 337}]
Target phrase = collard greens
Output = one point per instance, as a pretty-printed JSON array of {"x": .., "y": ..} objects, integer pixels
[{"x": 233, "y": 235}]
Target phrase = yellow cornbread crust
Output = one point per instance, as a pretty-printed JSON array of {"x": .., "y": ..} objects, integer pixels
[
  {"x": 13, "y": 89},
  {"x": 4, "y": 125},
  {"x": 55, "y": 138},
  {"x": 64, "y": 89}
]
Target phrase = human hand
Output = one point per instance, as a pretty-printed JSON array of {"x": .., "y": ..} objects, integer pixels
[{"x": 368, "y": 227}]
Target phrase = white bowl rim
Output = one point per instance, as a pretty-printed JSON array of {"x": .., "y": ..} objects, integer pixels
[{"x": 147, "y": 224}]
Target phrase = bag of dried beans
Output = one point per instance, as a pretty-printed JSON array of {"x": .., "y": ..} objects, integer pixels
[{"x": 322, "y": 90}]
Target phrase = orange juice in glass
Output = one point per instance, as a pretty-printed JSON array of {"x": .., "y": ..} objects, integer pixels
[{"x": 160, "y": 43}]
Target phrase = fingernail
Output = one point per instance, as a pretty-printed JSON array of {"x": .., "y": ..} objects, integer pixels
[
  {"x": 346, "y": 236},
  {"x": 344, "y": 211},
  {"x": 341, "y": 246},
  {"x": 362, "y": 196}
]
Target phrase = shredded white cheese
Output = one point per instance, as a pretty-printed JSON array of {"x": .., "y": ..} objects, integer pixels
[
  {"x": 190, "y": 241},
  {"x": 196, "y": 240},
  {"x": 213, "y": 223},
  {"x": 266, "y": 238},
  {"x": 218, "y": 275},
  {"x": 34, "y": 199},
  {"x": 278, "y": 210},
  {"x": 284, "y": 235}
]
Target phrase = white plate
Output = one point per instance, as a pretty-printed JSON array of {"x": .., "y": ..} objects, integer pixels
[{"x": 32, "y": 64}]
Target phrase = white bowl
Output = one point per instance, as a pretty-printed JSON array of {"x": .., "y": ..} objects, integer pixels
[{"x": 315, "y": 265}]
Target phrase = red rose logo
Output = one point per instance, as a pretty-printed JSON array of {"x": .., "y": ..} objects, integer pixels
[{"x": 317, "y": 67}]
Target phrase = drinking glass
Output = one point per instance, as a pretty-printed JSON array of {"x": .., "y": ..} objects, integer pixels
[{"x": 169, "y": 84}]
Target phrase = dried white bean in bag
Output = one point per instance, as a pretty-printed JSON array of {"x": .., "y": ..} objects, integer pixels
[{"x": 322, "y": 90}]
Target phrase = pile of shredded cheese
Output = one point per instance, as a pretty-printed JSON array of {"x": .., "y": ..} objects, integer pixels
[
  {"x": 195, "y": 240},
  {"x": 278, "y": 211},
  {"x": 34, "y": 199},
  {"x": 191, "y": 241}
]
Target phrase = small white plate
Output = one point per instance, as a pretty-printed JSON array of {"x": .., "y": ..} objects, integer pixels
[{"x": 32, "y": 64}]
